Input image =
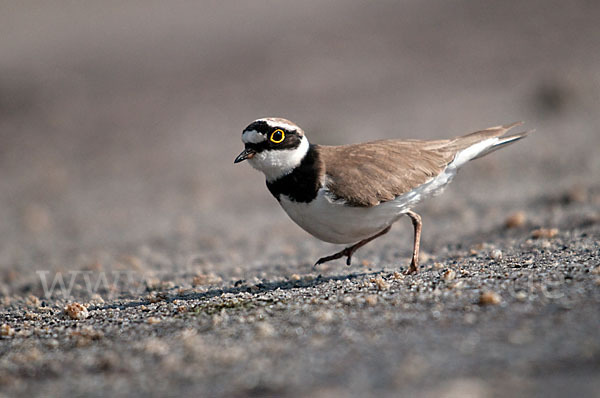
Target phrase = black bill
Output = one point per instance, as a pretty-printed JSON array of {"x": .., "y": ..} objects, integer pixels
[{"x": 246, "y": 154}]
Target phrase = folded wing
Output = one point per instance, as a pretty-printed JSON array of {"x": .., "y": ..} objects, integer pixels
[{"x": 373, "y": 172}]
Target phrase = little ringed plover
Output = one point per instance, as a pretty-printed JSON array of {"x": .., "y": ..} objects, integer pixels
[{"x": 352, "y": 194}]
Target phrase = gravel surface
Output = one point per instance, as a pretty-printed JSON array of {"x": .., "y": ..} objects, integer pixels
[{"x": 137, "y": 260}]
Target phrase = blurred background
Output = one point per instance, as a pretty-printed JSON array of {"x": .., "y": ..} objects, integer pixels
[{"x": 119, "y": 121}]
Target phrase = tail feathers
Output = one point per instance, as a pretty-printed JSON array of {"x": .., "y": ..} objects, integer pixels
[
  {"x": 459, "y": 143},
  {"x": 502, "y": 142},
  {"x": 475, "y": 145}
]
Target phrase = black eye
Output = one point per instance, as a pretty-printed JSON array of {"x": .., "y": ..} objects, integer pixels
[{"x": 277, "y": 136}]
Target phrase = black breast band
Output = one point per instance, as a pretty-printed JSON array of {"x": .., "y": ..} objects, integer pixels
[{"x": 302, "y": 184}]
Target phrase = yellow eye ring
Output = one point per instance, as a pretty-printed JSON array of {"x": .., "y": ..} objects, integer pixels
[{"x": 277, "y": 136}]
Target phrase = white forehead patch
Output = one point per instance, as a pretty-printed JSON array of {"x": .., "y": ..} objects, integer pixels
[
  {"x": 280, "y": 123},
  {"x": 253, "y": 137},
  {"x": 277, "y": 163}
]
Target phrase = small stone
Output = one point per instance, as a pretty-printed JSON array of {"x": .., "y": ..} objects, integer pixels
[
  {"x": 295, "y": 277},
  {"x": 96, "y": 299},
  {"x": 31, "y": 316},
  {"x": 371, "y": 299},
  {"x": 516, "y": 220},
  {"x": 6, "y": 331},
  {"x": 596, "y": 271},
  {"x": 489, "y": 298},
  {"x": 206, "y": 279},
  {"x": 152, "y": 283},
  {"x": 153, "y": 320},
  {"x": 167, "y": 285},
  {"x": 366, "y": 263},
  {"x": 76, "y": 311},
  {"x": 546, "y": 244},
  {"x": 521, "y": 295},
  {"x": 457, "y": 285},
  {"x": 398, "y": 275},
  {"x": 496, "y": 254},
  {"x": 449, "y": 275},
  {"x": 155, "y": 297},
  {"x": 198, "y": 280},
  {"x": 438, "y": 265},
  {"x": 33, "y": 301},
  {"x": 544, "y": 233},
  {"x": 52, "y": 343},
  {"x": 24, "y": 333},
  {"x": 380, "y": 283}
]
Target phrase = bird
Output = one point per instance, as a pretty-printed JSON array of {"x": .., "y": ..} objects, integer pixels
[{"x": 352, "y": 194}]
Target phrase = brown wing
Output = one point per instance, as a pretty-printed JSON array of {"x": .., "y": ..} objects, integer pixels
[{"x": 374, "y": 172}]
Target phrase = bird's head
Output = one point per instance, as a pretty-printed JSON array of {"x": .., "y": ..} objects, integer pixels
[{"x": 274, "y": 146}]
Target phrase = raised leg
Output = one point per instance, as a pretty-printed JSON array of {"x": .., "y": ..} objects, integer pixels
[
  {"x": 349, "y": 251},
  {"x": 416, "y": 221}
]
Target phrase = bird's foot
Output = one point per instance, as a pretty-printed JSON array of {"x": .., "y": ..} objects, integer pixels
[
  {"x": 347, "y": 252},
  {"x": 411, "y": 270}
]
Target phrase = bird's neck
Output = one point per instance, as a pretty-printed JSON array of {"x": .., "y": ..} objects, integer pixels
[
  {"x": 276, "y": 163},
  {"x": 303, "y": 182}
]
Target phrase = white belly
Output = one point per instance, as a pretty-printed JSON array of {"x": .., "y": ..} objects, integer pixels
[{"x": 333, "y": 221}]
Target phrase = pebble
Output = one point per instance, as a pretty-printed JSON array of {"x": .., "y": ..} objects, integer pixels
[
  {"x": 449, "y": 275},
  {"x": 380, "y": 283},
  {"x": 371, "y": 299},
  {"x": 457, "y": 285},
  {"x": 544, "y": 233},
  {"x": 398, "y": 275},
  {"x": 490, "y": 298},
  {"x": 496, "y": 254},
  {"x": 6, "y": 331},
  {"x": 206, "y": 279},
  {"x": 516, "y": 220},
  {"x": 521, "y": 296},
  {"x": 52, "y": 343},
  {"x": 76, "y": 311},
  {"x": 31, "y": 315},
  {"x": 33, "y": 301}
]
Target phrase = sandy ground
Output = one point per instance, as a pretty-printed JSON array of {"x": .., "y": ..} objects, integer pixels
[{"x": 118, "y": 128}]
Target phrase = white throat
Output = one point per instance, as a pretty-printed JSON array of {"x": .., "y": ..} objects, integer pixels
[{"x": 276, "y": 163}]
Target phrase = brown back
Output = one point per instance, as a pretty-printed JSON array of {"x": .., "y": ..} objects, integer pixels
[{"x": 373, "y": 172}]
